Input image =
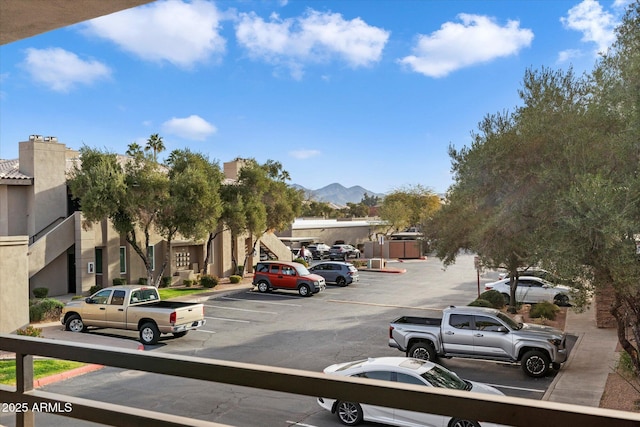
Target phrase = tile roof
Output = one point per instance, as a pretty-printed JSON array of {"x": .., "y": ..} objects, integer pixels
[{"x": 9, "y": 170}]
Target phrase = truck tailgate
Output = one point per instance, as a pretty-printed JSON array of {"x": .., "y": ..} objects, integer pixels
[{"x": 189, "y": 314}]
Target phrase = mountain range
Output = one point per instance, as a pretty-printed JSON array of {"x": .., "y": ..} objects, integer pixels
[{"x": 338, "y": 194}]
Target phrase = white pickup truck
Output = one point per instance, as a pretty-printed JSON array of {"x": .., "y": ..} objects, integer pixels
[
  {"x": 480, "y": 333},
  {"x": 134, "y": 308}
]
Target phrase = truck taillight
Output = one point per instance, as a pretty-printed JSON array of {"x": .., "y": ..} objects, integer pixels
[
  {"x": 390, "y": 331},
  {"x": 172, "y": 317}
]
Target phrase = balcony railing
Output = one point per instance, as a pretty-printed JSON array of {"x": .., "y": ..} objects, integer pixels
[{"x": 498, "y": 409}]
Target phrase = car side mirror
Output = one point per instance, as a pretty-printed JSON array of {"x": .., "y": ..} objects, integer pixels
[
  {"x": 88, "y": 300},
  {"x": 503, "y": 329}
]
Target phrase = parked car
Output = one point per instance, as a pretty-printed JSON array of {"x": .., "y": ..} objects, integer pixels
[
  {"x": 319, "y": 250},
  {"x": 338, "y": 272},
  {"x": 531, "y": 290},
  {"x": 533, "y": 272},
  {"x": 403, "y": 370},
  {"x": 300, "y": 253},
  {"x": 271, "y": 275},
  {"x": 343, "y": 252}
]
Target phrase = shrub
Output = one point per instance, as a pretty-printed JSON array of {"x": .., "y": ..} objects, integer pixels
[
  {"x": 187, "y": 282},
  {"x": 94, "y": 289},
  {"x": 494, "y": 297},
  {"x": 208, "y": 281},
  {"x": 165, "y": 282},
  {"x": 30, "y": 331},
  {"x": 480, "y": 303},
  {"x": 301, "y": 261},
  {"x": 142, "y": 281},
  {"x": 235, "y": 279},
  {"x": 545, "y": 309},
  {"x": 240, "y": 270},
  {"x": 40, "y": 292},
  {"x": 359, "y": 263},
  {"x": 119, "y": 281},
  {"x": 45, "y": 309}
]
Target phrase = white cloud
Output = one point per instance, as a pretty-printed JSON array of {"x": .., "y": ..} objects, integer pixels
[
  {"x": 478, "y": 39},
  {"x": 596, "y": 25},
  {"x": 304, "y": 154},
  {"x": 61, "y": 70},
  {"x": 568, "y": 55},
  {"x": 314, "y": 37},
  {"x": 174, "y": 31},
  {"x": 192, "y": 127}
]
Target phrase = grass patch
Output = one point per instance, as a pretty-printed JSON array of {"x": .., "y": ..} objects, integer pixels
[
  {"x": 41, "y": 368},
  {"x": 168, "y": 293}
]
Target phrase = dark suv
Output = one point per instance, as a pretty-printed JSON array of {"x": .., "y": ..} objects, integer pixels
[
  {"x": 343, "y": 252},
  {"x": 338, "y": 272}
]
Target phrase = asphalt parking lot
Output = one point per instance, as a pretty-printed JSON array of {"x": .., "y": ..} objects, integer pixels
[{"x": 283, "y": 329}]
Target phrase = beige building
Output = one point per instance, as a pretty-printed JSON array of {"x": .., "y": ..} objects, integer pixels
[{"x": 44, "y": 241}]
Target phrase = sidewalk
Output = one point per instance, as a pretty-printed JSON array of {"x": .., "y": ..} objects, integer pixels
[{"x": 582, "y": 378}]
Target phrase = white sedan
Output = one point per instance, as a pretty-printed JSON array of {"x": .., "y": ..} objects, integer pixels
[
  {"x": 402, "y": 370},
  {"x": 531, "y": 290}
]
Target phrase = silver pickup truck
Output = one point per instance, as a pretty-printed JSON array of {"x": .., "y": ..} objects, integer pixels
[
  {"x": 480, "y": 333},
  {"x": 135, "y": 308}
]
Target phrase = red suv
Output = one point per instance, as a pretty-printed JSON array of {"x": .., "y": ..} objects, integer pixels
[{"x": 271, "y": 275}]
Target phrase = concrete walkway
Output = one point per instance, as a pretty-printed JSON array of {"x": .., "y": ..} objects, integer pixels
[{"x": 582, "y": 378}]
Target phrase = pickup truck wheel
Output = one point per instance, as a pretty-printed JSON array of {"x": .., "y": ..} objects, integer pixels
[
  {"x": 149, "y": 333},
  {"x": 304, "y": 290},
  {"x": 75, "y": 324},
  {"x": 535, "y": 363},
  {"x": 349, "y": 413},
  {"x": 180, "y": 334},
  {"x": 422, "y": 350},
  {"x": 263, "y": 286},
  {"x": 462, "y": 423},
  {"x": 341, "y": 281}
]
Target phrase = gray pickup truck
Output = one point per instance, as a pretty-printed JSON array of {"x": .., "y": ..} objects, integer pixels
[
  {"x": 135, "y": 308},
  {"x": 480, "y": 333}
]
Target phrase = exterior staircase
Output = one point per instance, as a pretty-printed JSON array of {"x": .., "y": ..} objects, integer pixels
[{"x": 53, "y": 244}]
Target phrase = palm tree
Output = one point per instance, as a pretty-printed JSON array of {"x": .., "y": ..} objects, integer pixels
[{"x": 155, "y": 144}]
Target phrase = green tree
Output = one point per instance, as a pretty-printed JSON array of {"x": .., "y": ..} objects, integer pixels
[
  {"x": 557, "y": 182},
  {"x": 357, "y": 210},
  {"x": 140, "y": 196},
  {"x": 259, "y": 201},
  {"x": 370, "y": 200},
  {"x": 155, "y": 146},
  {"x": 411, "y": 206}
]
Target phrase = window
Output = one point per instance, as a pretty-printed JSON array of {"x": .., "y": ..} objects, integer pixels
[
  {"x": 101, "y": 297},
  {"x": 275, "y": 268},
  {"x": 408, "y": 379},
  {"x": 375, "y": 375},
  {"x": 118, "y": 298},
  {"x": 151, "y": 255},
  {"x": 288, "y": 271},
  {"x": 123, "y": 260},
  {"x": 460, "y": 321},
  {"x": 98, "y": 255},
  {"x": 487, "y": 324}
]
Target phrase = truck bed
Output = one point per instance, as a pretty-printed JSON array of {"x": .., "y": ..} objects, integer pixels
[
  {"x": 413, "y": 320},
  {"x": 164, "y": 304}
]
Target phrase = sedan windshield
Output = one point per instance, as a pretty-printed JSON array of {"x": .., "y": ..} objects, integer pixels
[{"x": 440, "y": 377}]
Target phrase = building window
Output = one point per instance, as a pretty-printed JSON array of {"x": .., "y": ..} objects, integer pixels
[
  {"x": 151, "y": 255},
  {"x": 98, "y": 260},
  {"x": 123, "y": 260}
]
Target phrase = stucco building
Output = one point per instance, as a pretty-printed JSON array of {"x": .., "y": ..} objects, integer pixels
[{"x": 45, "y": 242}]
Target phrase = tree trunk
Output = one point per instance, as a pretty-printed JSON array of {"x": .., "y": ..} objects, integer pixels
[{"x": 619, "y": 311}]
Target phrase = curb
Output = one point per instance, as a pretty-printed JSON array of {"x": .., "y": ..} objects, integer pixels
[
  {"x": 66, "y": 375},
  {"x": 560, "y": 374}
]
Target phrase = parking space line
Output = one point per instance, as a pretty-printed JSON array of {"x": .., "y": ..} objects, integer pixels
[
  {"x": 385, "y": 305},
  {"x": 262, "y": 302},
  {"x": 293, "y": 423},
  {"x": 226, "y": 319},
  {"x": 533, "y": 390},
  {"x": 240, "y": 309},
  {"x": 204, "y": 330}
]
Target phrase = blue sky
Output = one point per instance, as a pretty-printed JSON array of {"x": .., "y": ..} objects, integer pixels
[{"x": 360, "y": 92}]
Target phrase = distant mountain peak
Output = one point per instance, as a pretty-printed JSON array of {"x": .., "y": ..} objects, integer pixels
[{"x": 338, "y": 194}]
